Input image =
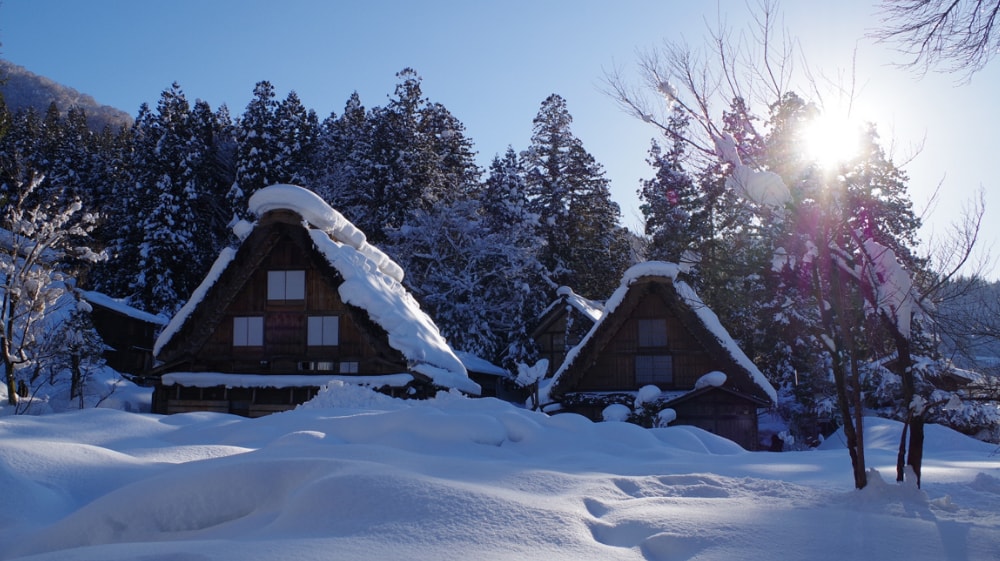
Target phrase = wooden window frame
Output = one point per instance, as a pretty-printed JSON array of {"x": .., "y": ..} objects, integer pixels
[
  {"x": 323, "y": 331},
  {"x": 248, "y": 331},
  {"x": 651, "y": 333},
  {"x": 286, "y": 285},
  {"x": 654, "y": 369}
]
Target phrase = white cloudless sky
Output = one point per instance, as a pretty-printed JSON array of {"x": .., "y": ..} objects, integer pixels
[{"x": 492, "y": 63}]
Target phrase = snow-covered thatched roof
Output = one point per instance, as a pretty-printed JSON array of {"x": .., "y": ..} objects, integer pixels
[
  {"x": 705, "y": 316},
  {"x": 371, "y": 282}
]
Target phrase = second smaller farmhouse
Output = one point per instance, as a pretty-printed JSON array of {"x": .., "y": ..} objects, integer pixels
[
  {"x": 562, "y": 325},
  {"x": 655, "y": 331},
  {"x": 303, "y": 300}
]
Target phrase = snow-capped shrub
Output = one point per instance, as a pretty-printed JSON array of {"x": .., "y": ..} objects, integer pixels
[{"x": 616, "y": 412}]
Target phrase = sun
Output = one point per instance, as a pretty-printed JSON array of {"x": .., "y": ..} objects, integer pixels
[{"x": 830, "y": 140}]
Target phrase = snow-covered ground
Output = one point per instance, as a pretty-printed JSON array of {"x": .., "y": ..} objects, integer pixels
[{"x": 357, "y": 475}]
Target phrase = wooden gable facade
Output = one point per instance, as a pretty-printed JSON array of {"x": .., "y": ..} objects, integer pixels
[
  {"x": 274, "y": 311},
  {"x": 653, "y": 336},
  {"x": 562, "y": 325},
  {"x": 127, "y": 332}
]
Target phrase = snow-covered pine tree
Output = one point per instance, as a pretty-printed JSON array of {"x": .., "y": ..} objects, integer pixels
[
  {"x": 343, "y": 167},
  {"x": 585, "y": 248},
  {"x": 524, "y": 287},
  {"x": 296, "y": 130},
  {"x": 175, "y": 235},
  {"x": 418, "y": 157},
  {"x": 257, "y": 148},
  {"x": 671, "y": 201}
]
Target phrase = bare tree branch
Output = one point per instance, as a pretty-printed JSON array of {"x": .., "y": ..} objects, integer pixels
[{"x": 955, "y": 35}]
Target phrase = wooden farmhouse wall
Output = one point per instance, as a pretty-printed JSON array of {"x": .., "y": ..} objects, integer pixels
[
  {"x": 360, "y": 347},
  {"x": 615, "y": 366},
  {"x": 559, "y": 331},
  {"x": 722, "y": 413}
]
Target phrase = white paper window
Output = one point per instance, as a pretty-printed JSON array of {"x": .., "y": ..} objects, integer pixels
[
  {"x": 652, "y": 332},
  {"x": 286, "y": 285},
  {"x": 248, "y": 331},
  {"x": 654, "y": 369},
  {"x": 348, "y": 367},
  {"x": 323, "y": 331}
]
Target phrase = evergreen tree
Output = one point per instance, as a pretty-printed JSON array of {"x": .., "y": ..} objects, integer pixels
[
  {"x": 297, "y": 130},
  {"x": 343, "y": 168},
  {"x": 177, "y": 229},
  {"x": 257, "y": 148},
  {"x": 419, "y": 157},
  {"x": 584, "y": 246},
  {"x": 672, "y": 201},
  {"x": 523, "y": 284}
]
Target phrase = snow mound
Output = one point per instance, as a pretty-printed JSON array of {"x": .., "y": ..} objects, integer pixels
[{"x": 714, "y": 379}]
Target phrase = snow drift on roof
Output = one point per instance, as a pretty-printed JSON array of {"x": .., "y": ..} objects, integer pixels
[
  {"x": 319, "y": 215},
  {"x": 221, "y": 262},
  {"x": 410, "y": 330},
  {"x": 121, "y": 307},
  {"x": 589, "y": 308}
]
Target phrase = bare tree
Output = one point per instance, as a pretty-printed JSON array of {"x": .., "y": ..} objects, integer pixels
[
  {"x": 39, "y": 238},
  {"x": 849, "y": 271},
  {"x": 956, "y": 35}
]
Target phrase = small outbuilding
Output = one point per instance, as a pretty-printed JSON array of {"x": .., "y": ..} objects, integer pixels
[
  {"x": 563, "y": 324},
  {"x": 127, "y": 332},
  {"x": 303, "y": 300},
  {"x": 656, "y": 332}
]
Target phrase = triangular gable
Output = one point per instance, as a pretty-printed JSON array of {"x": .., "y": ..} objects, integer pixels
[
  {"x": 563, "y": 324},
  {"x": 565, "y": 301},
  {"x": 366, "y": 280},
  {"x": 661, "y": 278}
]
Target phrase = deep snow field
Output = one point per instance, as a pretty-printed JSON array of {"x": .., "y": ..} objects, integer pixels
[{"x": 357, "y": 475}]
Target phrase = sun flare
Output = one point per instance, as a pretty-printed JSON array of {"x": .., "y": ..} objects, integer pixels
[{"x": 829, "y": 140}]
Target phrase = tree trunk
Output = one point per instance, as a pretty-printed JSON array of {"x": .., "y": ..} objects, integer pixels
[
  {"x": 848, "y": 399},
  {"x": 904, "y": 367},
  {"x": 76, "y": 379},
  {"x": 8, "y": 370},
  {"x": 901, "y": 455},
  {"x": 916, "y": 456}
]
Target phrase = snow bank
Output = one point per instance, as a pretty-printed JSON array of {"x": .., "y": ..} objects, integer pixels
[
  {"x": 213, "y": 379},
  {"x": 366, "y": 476}
]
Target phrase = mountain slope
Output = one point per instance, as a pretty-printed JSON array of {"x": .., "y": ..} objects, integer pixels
[{"x": 22, "y": 89}]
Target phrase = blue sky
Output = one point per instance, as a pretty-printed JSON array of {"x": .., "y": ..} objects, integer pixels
[{"x": 492, "y": 64}]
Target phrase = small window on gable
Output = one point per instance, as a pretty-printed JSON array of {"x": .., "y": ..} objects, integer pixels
[
  {"x": 286, "y": 285},
  {"x": 323, "y": 331},
  {"x": 248, "y": 331},
  {"x": 652, "y": 332}
]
